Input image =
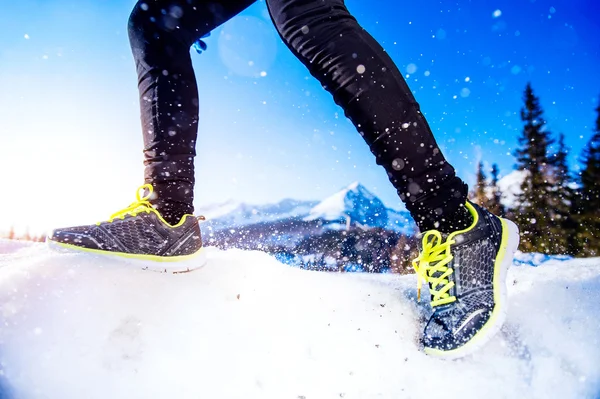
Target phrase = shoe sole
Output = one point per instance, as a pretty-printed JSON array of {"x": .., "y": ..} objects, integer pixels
[
  {"x": 504, "y": 259},
  {"x": 162, "y": 264}
]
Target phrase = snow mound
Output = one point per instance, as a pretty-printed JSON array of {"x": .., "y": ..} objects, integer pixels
[
  {"x": 245, "y": 326},
  {"x": 8, "y": 246}
]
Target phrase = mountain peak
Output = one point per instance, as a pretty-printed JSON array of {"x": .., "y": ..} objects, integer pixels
[
  {"x": 354, "y": 186},
  {"x": 353, "y": 201},
  {"x": 358, "y": 189}
]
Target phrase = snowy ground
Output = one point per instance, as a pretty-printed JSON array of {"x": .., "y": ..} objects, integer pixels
[{"x": 245, "y": 326}]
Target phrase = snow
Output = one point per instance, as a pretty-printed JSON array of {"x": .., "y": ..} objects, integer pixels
[
  {"x": 9, "y": 246},
  {"x": 536, "y": 259},
  {"x": 245, "y": 326},
  {"x": 510, "y": 187}
]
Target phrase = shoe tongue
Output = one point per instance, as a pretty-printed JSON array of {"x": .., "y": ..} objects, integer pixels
[
  {"x": 435, "y": 274},
  {"x": 420, "y": 240},
  {"x": 139, "y": 208},
  {"x": 421, "y": 235}
]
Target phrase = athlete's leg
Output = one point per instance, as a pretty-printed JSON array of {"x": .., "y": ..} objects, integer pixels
[
  {"x": 161, "y": 33},
  {"x": 366, "y": 83},
  {"x": 466, "y": 268}
]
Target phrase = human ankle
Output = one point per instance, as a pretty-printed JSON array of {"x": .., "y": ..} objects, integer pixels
[
  {"x": 171, "y": 213},
  {"x": 445, "y": 222}
]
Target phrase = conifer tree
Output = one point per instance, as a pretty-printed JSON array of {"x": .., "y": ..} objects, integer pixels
[
  {"x": 494, "y": 204},
  {"x": 561, "y": 200},
  {"x": 590, "y": 175},
  {"x": 532, "y": 214},
  {"x": 478, "y": 194},
  {"x": 487, "y": 193},
  {"x": 589, "y": 195}
]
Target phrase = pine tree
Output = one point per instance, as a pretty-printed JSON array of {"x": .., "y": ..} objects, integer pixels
[
  {"x": 590, "y": 175},
  {"x": 561, "y": 199},
  {"x": 589, "y": 195},
  {"x": 478, "y": 195},
  {"x": 494, "y": 204},
  {"x": 533, "y": 214},
  {"x": 486, "y": 193}
]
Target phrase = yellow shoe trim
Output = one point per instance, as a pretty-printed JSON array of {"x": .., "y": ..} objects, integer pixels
[
  {"x": 153, "y": 258},
  {"x": 434, "y": 258},
  {"x": 482, "y": 334},
  {"x": 142, "y": 204}
]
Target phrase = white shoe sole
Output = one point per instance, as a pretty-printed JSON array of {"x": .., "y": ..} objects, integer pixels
[
  {"x": 162, "y": 264},
  {"x": 508, "y": 247}
]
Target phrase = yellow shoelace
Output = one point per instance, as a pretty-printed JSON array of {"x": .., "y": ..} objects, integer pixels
[
  {"x": 141, "y": 205},
  {"x": 431, "y": 267}
]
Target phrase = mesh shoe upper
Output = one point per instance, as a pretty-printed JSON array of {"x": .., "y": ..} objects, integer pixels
[{"x": 472, "y": 261}]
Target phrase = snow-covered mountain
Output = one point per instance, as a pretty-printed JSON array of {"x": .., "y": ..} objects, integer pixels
[
  {"x": 234, "y": 214},
  {"x": 353, "y": 204},
  {"x": 354, "y": 201},
  {"x": 245, "y": 326}
]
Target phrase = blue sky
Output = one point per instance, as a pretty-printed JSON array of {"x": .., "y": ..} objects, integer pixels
[{"x": 71, "y": 141}]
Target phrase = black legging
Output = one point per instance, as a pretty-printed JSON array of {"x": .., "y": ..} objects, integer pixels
[{"x": 348, "y": 62}]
